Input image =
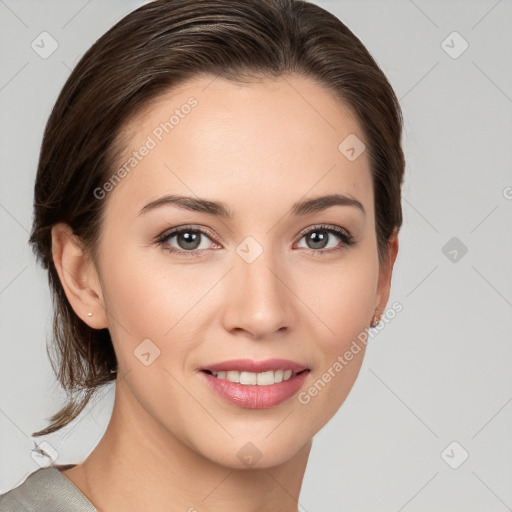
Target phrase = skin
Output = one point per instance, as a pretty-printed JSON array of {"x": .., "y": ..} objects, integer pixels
[{"x": 259, "y": 148}]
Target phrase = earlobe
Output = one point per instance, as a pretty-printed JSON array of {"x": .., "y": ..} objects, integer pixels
[{"x": 78, "y": 276}]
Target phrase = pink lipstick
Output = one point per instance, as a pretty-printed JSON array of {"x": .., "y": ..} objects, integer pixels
[{"x": 255, "y": 384}]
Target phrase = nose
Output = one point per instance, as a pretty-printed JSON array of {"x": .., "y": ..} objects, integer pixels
[{"x": 259, "y": 297}]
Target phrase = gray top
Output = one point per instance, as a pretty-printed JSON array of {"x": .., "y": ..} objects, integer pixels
[{"x": 46, "y": 490}]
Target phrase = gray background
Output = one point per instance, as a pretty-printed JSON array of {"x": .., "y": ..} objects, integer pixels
[{"x": 438, "y": 373}]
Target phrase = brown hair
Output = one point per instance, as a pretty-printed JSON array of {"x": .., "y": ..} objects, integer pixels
[{"x": 151, "y": 50}]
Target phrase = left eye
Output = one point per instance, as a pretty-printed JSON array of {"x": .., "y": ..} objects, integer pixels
[{"x": 319, "y": 237}]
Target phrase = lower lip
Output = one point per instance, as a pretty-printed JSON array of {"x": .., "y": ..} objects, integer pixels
[{"x": 256, "y": 397}]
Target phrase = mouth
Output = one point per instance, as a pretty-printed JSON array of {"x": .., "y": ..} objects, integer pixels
[
  {"x": 256, "y": 379},
  {"x": 256, "y": 390},
  {"x": 255, "y": 384},
  {"x": 255, "y": 373}
]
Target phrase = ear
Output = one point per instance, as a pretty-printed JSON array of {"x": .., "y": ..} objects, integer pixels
[
  {"x": 385, "y": 272},
  {"x": 78, "y": 276}
]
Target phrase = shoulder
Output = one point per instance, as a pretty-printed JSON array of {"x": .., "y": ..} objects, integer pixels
[{"x": 45, "y": 490}]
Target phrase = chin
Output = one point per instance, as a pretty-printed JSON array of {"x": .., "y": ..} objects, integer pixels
[{"x": 253, "y": 453}]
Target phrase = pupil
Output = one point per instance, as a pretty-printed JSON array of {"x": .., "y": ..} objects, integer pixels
[
  {"x": 318, "y": 240},
  {"x": 189, "y": 238}
]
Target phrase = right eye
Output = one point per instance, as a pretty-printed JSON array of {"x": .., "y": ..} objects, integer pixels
[{"x": 188, "y": 238}]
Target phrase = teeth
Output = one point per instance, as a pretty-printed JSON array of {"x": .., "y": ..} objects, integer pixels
[
  {"x": 250, "y": 378},
  {"x": 232, "y": 376}
]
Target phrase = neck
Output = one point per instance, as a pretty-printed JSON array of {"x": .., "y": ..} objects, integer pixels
[{"x": 140, "y": 465}]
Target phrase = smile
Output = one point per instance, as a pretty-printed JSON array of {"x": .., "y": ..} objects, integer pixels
[
  {"x": 255, "y": 384},
  {"x": 251, "y": 378}
]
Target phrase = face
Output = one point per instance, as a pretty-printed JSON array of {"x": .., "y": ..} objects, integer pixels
[{"x": 186, "y": 289}]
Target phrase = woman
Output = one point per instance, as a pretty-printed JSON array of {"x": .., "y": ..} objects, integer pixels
[{"x": 217, "y": 205}]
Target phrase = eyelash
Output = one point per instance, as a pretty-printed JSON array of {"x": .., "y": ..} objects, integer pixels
[{"x": 344, "y": 235}]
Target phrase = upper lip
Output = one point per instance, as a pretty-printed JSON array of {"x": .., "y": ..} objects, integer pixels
[{"x": 250, "y": 365}]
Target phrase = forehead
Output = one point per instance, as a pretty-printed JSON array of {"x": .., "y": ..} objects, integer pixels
[{"x": 273, "y": 140}]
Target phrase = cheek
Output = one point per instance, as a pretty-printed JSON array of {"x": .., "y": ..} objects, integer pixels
[
  {"x": 143, "y": 300},
  {"x": 135, "y": 298},
  {"x": 342, "y": 298},
  {"x": 343, "y": 302},
  {"x": 148, "y": 296}
]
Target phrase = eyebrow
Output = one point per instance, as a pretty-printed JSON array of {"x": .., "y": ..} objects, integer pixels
[{"x": 220, "y": 209}]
